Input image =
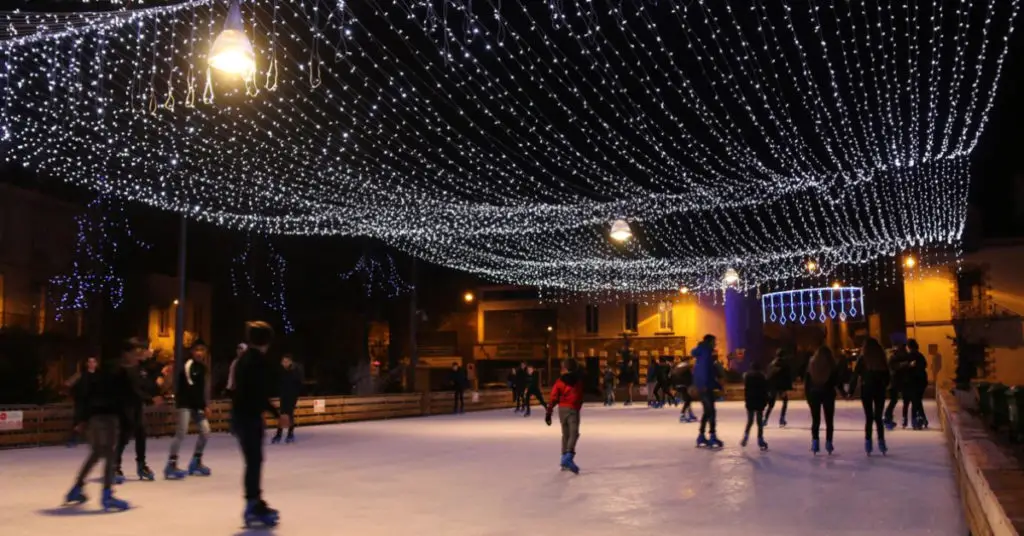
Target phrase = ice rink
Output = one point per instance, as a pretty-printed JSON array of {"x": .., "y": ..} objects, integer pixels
[{"x": 496, "y": 474}]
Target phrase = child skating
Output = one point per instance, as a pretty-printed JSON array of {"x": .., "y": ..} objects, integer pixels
[
  {"x": 755, "y": 394},
  {"x": 567, "y": 396}
]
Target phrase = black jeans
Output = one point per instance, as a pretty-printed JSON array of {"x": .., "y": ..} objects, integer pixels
[
  {"x": 894, "y": 397},
  {"x": 662, "y": 392},
  {"x": 132, "y": 427},
  {"x": 818, "y": 403},
  {"x": 248, "y": 430},
  {"x": 460, "y": 400},
  {"x": 873, "y": 406},
  {"x": 517, "y": 395},
  {"x": 755, "y": 415},
  {"x": 684, "y": 392},
  {"x": 784, "y": 395},
  {"x": 103, "y": 439},
  {"x": 287, "y": 408},
  {"x": 707, "y": 400},
  {"x": 532, "y": 392},
  {"x": 915, "y": 397}
]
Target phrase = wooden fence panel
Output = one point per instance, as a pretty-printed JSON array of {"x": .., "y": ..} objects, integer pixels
[{"x": 51, "y": 424}]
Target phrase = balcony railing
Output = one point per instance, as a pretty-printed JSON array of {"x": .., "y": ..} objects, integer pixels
[{"x": 984, "y": 308}]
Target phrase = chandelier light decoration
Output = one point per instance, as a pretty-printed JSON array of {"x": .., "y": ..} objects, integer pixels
[
  {"x": 813, "y": 305},
  {"x": 504, "y": 137}
]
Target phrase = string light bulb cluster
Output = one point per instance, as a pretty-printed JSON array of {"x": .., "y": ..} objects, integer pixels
[{"x": 486, "y": 137}]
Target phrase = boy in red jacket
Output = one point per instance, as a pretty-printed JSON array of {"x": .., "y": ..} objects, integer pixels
[{"x": 567, "y": 395}]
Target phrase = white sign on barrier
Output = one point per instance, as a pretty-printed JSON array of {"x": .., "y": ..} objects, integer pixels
[
  {"x": 319, "y": 406},
  {"x": 11, "y": 420}
]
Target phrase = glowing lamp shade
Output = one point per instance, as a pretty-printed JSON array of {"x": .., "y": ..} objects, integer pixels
[
  {"x": 731, "y": 277},
  {"x": 621, "y": 231},
  {"x": 232, "y": 51}
]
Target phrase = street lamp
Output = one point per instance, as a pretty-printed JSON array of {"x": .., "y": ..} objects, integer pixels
[
  {"x": 835, "y": 285},
  {"x": 812, "y": 266},
  {"x": 468, "y": 297},
  {"x": 684, "y": 290},
  {"x": 620, "y": 231},
  {"x": 232, "y": 51},
  {"x": 731, "y": 277},
  {"x": 910, "y": 263}
]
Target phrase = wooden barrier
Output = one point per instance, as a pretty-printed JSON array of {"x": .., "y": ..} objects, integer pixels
[
  {"x": 51, "y": 424},
  {"x": 991, "y": 483}
]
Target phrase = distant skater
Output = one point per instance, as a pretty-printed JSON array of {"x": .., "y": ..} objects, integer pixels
[
  {"x": 288, "y": 391},
  {"x": 682, "y": 378},
  {"x": 652, "y": 379},
  {"x": 628, "y": 376},
  {"x": 75, "y": 385},
  {"x": 142, "y": 378},
  {"x": 567, "y": 396},
  {"x": 897, "y": 385},
  {"x": 532, "y": 390},
  {"x": 755, "y": 395},
  {"x": 780, "y": 383},
  {"x": 822, "y": 385},
  {"x": 457, "y": 380},
  {"x": 192, "y": 401},
  {"x": 873, "y": 373},
  {"x": 916, "y": 384},
  {"x": 705, "y": 380},
  {"x": 519, "y": 387},
  {"x": 609, "y": 385}
]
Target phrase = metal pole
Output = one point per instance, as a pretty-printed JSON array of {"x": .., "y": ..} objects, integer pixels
[
  {"x": 414, "y": 318},
  {"x": 179, "y": 319}
]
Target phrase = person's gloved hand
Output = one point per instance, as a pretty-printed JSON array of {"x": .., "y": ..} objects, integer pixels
[{"x": 547, "y": 419}]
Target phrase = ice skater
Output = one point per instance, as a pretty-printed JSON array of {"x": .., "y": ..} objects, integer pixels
[
  {"x": 705, "y": 380},
  {"x": 567, "y": 396},
  {"x": 250, "y": 400},
  {"x": 780, "y": 383},
  {"x": 192, "y": 402},
  {"x": 873, "y": 373},
  {"x": 75, "y": 385},
  {"x": 682, "y": 378},
  {"x": 628, "y": 375},
  {"x": 662, "y": 388},
  {"x": 134, "y": 357},
  {"x": 609, "y": 384},
  {"x": 822, "y": 385},
  {"x": 755, "y": 397},
  {"x": 103, "y": 395},
  {"x": 520, "y": 382},
  {"x": 897, "y": 384},
  {"x": 288, "y": 390},
  {"x": 532, "y": 390},
  {"x": 458, "y": 381},
  {"x": 652, "y": 379},
  {"x": 915, "y": 386}
]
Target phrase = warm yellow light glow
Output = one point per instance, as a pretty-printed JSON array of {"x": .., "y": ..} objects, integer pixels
[
  {"x": 550, "y": 329},
  {"x": 175, "y": 302},
  {"x": 232, "y": 52},
  {"x": 812, "y": 266},
  {"x": 621, "y": 231},
  {"x": 684, "y": 290},
  {"x": 468, "y": 297},
  {"x": 909, "y": 262},
  {"x": 835, "y": 285},
  {"x": 731, "y": 277}
]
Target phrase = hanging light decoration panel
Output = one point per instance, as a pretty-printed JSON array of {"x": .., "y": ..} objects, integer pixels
[{"x": 813, "y": 305}]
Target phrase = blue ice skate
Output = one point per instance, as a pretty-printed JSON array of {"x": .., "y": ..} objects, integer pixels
[
  {"x": 196, "y": 467},
  {"x": 563, "y": 462},
  {"x": 762, "y": 444},
  {"x": 714, "y": 442},
  {"x": 275, "y": 440},
  {"x": 258, "y": 513},
  {"x": 881, "y": 447},
  {"x": 570, "y": 463},
  {"x": 815, "y": 449},
  {"x": 828, "y": 447},
  {"x": 75, "y": 496},
  {"x": 109, "y": 502},
  {"x": 890, "y": 425},
  {"x": 867, "y": 446},
  {"x": 144, "y": 472},
  {"x": 702, "y": 441},
  {"x": 119, "y": 477},
  {"x": 291, "y": 439},
  {"x": 171, "y": 471}
]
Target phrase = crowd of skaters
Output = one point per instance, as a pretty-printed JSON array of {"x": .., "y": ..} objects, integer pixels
[{"x": 110, "y": 396}]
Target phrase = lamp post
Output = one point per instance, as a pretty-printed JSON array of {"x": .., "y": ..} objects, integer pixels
[
  {"x": 909, "y": 263},
  {"x": 179, "y": 316},
  {"x": 547, "y": 351}
]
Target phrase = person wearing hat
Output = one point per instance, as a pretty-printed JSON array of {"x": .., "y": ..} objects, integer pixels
[{"x": 192, "y": 400}]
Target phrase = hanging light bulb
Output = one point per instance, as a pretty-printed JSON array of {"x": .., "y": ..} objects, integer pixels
[
  {"x": 232, "y": 52},
  {"x": 621, "y": 231},
  {"x": 731, "y": 277}
]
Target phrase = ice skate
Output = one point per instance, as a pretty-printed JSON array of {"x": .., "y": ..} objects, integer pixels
[
  {"x": 570, "y": 463},
  {"x": 145, "y": 473},
  {"x": 828, "y": 447},
  {"x": 171, "y": 471},
  {"x": 702, "y": 441},
  {"x": 109, "y": 502},
  {"x": 881, "y": 447},
  {"x": 563, "y": 463},
  {"x": 75, "y": 496},
  {"x": 782, "y": 422},
  {"x": 762, "y": 444},
  {"x": 714, "y": 442},
  {"x": 291, "y": 437},
  {"x": 890, "y": 425},
  {"x": 275, "y": 440},
  {"x": 119, "y": 477},
  {"x": 196, "y": 467},
  {"x": 814, "y": 447},
  {"x": 258, "y": 513},
  {"x": 867, "y": 446},
  {"x": 746, "y": 437}
]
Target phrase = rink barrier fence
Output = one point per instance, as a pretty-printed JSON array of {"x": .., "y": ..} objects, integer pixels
[
  {"x": 51, "y": 424},
  {"x": 990, "y": 481}
]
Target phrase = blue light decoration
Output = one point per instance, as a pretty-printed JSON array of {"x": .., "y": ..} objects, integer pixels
[
  {"x": 813, "y": 305},
  {"x": 378, "y": 276},
  {"x": 101, "y": 228},
  {"x": 270, "y": 291}
]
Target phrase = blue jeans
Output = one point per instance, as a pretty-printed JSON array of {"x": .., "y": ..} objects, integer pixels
[{"x": 248, "y": 430}]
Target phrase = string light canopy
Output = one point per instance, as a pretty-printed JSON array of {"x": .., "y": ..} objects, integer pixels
[
  {"x": 813, "y": 305},
  {"x": 503, "y": 136}
]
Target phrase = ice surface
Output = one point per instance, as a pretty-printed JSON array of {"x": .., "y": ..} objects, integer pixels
[{"x": 496, "y": 473}]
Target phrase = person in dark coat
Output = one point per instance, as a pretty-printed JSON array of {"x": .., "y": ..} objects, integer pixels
[
  {"x": 821, "y": 384},
  {"x": 519, "y": 386},
  {"x": 289, "y": 389},
  {"x": 780, "y": 383},
  {"x": 916, "y": 384},
  {"x": 682, "y": 378},
  {"x": 873, "y": 373},
  {"x": 75, "y": 386},
  {"x": 458, "y": 381},
  {"x": 628, "y": 376},
  {"x": 755, "y": 396},
  {"x": 532, "y": 390},
  {"x": 897, "y": 383},
  {"x": 137, "y": 359}
]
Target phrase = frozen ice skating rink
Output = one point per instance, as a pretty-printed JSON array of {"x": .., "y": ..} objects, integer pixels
[{"x": 496, "y": 474}]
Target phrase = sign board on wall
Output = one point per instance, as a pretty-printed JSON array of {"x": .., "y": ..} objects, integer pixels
[
  {"x": 439, "y": 362},
  {"x": 11, "y": 420},
  {"x": 319, "y": 406}
]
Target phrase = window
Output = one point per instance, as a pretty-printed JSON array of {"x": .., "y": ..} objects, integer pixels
[
  {"x": 164, "y": 320},
  {"x": 592, "y": 320},
  {"x": 665, "y": 314},
  {"x": 632, "y": 317},
  {"x": 970, "y": 285}
]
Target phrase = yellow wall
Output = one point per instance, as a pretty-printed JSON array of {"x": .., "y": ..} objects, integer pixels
[{"x": 929, "y": 301}]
